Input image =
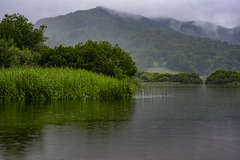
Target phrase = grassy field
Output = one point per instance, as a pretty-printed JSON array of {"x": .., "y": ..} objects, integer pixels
[
  {"x": 61, "y": 84},
  {"x": 161, "y": 70}
]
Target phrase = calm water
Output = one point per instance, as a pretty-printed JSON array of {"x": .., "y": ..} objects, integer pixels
[{"x": 162, "y": 122}]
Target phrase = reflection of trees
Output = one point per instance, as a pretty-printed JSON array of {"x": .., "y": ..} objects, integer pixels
[
  {"x": 18, "y": 127},
  {"x": 14, "y": 140},
  {"x": 21, "y": 123}
]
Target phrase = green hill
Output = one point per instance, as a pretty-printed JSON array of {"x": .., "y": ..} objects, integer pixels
[
  {"x": 181, "y": 52},
  {"x": 148, "y": 40},
  {"x": 203, "y": 29},
  {"x": 95, "y": 24}
]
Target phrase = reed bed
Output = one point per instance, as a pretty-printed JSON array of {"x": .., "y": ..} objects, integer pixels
[{"x": 59, "y": 84}]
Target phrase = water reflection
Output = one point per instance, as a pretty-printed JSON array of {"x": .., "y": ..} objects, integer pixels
[
  {"x": 190, "y": 122},
  {"x": 23, "y": 125}
]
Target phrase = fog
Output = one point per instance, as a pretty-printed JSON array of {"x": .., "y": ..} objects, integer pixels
[{"x": 221, "y": 12}]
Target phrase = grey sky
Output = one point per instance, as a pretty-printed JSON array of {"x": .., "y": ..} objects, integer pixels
[{"x": 222, "y": 12}]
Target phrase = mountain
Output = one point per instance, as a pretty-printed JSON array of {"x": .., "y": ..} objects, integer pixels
[
  {"x": 97, "y": 24},
  {"x": 202, "y": 29},
  {"x": 94, "y": 23},
  {"x": 181, "y": 52},
  {"x": 181, "y": 46}
]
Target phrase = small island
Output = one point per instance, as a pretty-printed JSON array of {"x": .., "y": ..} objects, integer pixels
[{"x": 224, "y": 77}]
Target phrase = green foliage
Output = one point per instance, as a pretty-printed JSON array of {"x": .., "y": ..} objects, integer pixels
[
  {"x": 19, "y": 41},
  {"x": 182, "y": 53},
  {"x": 185, "y": 78},
  {"x": 5, "y": 55},
  {"x": 21, "y": 44},
  {"x": 17, "y": 27},
  {"x": 49, "y": 84},
  {"x": 223, "y": 77},
  {"x": 99, "y": 57},
  {"x": 11, "y": 56}
]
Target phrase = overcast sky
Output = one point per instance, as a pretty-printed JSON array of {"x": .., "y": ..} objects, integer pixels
[{"x": 222, "y": 12}]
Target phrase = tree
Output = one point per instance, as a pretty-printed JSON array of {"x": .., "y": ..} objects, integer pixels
[
  {"x": 223, "y": 77},
  {"x": 185, "y": 78},
  {"x": 99, "y": 57},
  {"x": 123, "y": 61},
  {"x": 23, "y": 33},
  {"x": 10, "y": 55},
  {"x": 5, "y": 55},
  {"x": 107, "y": 59}
]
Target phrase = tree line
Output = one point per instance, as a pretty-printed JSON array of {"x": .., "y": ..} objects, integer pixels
[
  {"x": 181, "y": 52},
  {"x": 22, "y": 44},
  {"x": 223, "y": 77},
  {"x": 217, "y": 77},
  {"x": 184, "y": 78}
]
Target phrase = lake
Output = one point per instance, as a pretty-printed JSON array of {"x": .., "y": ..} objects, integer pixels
[{"x": 161, "y": 122}]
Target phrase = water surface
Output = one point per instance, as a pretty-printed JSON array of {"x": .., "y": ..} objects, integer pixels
[{"x": 169, "y": 122}]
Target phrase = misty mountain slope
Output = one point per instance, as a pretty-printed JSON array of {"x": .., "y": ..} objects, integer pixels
[
  {"x": 182, "y": 52},
  {"x": 104, "y": 24},
  {"x": 149, "y": 41},
  {"x": 96, "y": 24},
  {"x": 202, "y": 29},
  {"x": 236, "y": 32}
]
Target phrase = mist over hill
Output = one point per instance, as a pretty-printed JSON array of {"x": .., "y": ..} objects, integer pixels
[
  {"x": 96, "y": 24},
  {"x": 64, "y": 28},
  {"x": 182, "y": 46},
  {"x": 203, "y": 29}
]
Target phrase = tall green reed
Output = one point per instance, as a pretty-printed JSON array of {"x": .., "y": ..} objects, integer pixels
[{"x": 60, "y": 84}]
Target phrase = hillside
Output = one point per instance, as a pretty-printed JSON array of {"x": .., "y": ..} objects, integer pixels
[
  {"x": 181, "y": 52},
  {"x": 203, "y": 29},
  {"x": 95, "y": 24},
  {"x": 105, "y": 24},
  {"x": 168, "y": 42}
]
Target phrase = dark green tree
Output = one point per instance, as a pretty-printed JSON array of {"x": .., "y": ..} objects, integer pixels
[
  {"x": 184, "y": 78},
  {"x": 10, "y": 55},
  {"x": 23, "y": 33},
  {"x": 102, "y": 57},
  {"x": 223, "y": 77},
  {"x": 99, "y": 57}
]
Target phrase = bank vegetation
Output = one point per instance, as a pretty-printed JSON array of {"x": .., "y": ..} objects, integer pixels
[{"x": 34, "y": 84}]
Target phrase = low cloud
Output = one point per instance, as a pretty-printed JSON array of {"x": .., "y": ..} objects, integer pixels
[{"x": 221, "y": 12}]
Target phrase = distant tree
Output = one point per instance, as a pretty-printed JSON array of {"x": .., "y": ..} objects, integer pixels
[
  {"x": 23, "y": 33},
  {"x": 223, "y": 77},
  {"x": 185, "y": 78}
]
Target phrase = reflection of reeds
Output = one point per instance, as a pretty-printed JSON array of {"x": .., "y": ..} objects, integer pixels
[
  {"x": 148, "y": 92},
  {"x": 37, "y": 114},
  {"x": 46, "y": 83}
]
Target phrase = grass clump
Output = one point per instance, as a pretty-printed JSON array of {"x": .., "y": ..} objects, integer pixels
[{"x": 59, "y": 84}]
